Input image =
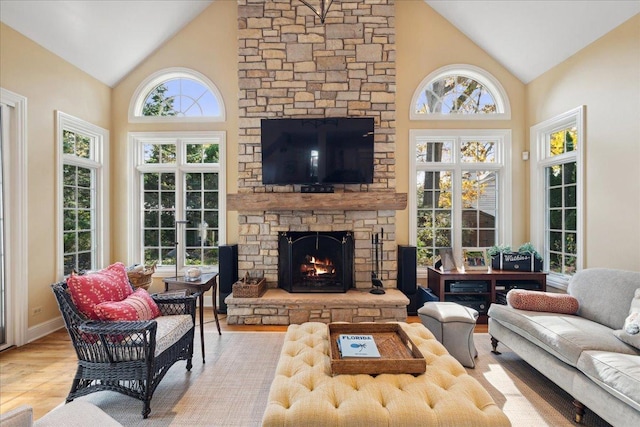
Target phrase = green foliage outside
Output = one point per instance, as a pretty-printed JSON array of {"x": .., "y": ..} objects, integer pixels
[
  {"x": 158, "y": 104},
  {"x": 435, "y": 198},
  {"x": 457, "y": 95},
  {"x": 77, "y": 201},
  {"x": 201, "y": 206}
]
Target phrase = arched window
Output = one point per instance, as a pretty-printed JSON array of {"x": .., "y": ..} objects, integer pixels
[
  {"x": 458, "y": 92},
  {"x": 176, "y": 94}
]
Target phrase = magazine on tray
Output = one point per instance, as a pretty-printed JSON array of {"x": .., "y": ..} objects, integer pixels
[{"x": 355, "y": 345}]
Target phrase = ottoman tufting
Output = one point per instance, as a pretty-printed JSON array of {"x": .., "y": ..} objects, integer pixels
[
  {"x": 452, "y": 324},
  {"x": 304, "y": 392}
]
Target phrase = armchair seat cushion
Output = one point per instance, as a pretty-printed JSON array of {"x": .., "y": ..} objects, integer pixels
[{"x": 171, "y": 329}]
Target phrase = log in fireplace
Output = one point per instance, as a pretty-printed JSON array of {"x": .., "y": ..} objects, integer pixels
[{"x": 315, "y": 261}]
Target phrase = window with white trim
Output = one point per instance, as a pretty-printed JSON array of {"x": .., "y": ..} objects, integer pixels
[
  {"x": 459, "y": 190},
  {"x": 556, "y": 194},
  {"x": 179, "y": 192},
  {"x": 176, "y": 94},
  {"x": 82, "y": 194},
  {"x": 457, "y": 92}
]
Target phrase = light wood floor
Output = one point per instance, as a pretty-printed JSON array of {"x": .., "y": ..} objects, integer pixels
[{"x": 39, "y": 374}]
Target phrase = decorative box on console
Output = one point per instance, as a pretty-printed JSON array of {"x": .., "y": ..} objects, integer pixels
[
  {"x": 248, "y": 287},
  {"x": 518, "y": 261}
]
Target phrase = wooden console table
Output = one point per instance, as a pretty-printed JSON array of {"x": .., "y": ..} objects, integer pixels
[{"x": 480, "y": 289}]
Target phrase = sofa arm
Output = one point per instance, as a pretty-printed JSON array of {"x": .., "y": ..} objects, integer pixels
[
  {"x": 170, "y": 305},
  {"x": 22, "y": 416},
  {"x": 76, "y": 414}
]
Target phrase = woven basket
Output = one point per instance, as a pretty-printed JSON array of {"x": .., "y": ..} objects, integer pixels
[
  {"x": 142, "y": 279},
  {"x": 249, "y": 288}
]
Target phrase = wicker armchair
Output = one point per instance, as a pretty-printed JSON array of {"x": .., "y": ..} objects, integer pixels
[{"x": 129, "y": 357}]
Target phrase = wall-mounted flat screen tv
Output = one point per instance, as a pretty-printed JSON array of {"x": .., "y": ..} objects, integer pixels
[{"x": 317, "y": 151}]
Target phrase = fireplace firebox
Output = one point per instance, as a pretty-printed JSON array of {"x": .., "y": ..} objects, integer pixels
[{"x": 315, "y": 261}]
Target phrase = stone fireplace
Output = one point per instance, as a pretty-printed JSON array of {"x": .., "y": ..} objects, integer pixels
[
  {"x": 290, "y": 65},
  {"x": 315, "y": 261}
]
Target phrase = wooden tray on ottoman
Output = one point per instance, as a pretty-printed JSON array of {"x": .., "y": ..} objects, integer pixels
[{"x": 398, "y": 354}]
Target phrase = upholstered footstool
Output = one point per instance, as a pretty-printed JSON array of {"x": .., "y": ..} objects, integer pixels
[
  {"x": 452, "y": 324},
  {"x": 305, "y": 393}
]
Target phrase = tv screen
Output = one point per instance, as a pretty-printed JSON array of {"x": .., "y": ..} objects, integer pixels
[{"x": 317, "y": 151}]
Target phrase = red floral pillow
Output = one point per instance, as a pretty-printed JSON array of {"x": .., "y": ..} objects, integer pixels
[
  {"x": 542, "y": 301},
  {"x": 137, "y": 306},
  {"x": 110, "y": 284}
]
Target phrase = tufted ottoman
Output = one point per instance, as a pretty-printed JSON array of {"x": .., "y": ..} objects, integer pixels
[
  {"x": 452, "y": 324},
  {"x": 304, "y": 393}
]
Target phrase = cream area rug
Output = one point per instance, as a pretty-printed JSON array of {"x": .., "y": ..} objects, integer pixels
[
  {"x": 231, "y": 388},
  {"x": 527, "y": 397}
]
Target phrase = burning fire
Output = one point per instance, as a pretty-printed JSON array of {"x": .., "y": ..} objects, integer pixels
[{"x": 317, "y": 267}]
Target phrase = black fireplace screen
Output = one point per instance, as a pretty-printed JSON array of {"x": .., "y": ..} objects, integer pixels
[{"x": 315, "y": 261}]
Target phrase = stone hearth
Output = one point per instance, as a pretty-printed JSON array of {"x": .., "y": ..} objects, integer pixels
[{"x": 278, "y": 307}]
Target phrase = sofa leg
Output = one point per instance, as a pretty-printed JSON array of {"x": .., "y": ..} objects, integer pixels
[
  {"x": 579, "y": 411},
  {"x": 494, "y": 344}
]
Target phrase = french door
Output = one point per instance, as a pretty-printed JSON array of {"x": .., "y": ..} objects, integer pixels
[
  {"x": 13, "y": 227},
  {"x": 6, "y": 339}
]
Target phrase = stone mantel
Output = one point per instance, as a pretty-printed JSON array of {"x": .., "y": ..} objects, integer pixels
[{"x": 359, "y": 201}]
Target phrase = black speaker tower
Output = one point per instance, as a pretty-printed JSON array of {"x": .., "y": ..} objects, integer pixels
[
  {"x": 227, "y": 274},
  {"x": 408, "y": 276}
]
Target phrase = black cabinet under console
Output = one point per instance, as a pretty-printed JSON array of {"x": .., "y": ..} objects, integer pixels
[{"x": 479, "y": 289}]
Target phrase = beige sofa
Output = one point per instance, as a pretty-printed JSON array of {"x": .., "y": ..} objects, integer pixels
[
  {"x": 580, "y": 352},
  {"x": 74, "y": 414}
]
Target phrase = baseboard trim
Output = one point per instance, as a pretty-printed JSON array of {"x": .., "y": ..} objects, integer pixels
[{"x": 44, "y": 329}]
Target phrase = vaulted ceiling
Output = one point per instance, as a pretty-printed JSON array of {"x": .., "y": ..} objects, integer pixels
[{"x": 107, "y": 39}]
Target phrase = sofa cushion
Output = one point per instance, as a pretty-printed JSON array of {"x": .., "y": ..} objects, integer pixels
[
  {"x": 630, "y": 333},
  {"x": 632, "y": 323},
  {"x": 542, "y": 301},
  {"x": 137, "y": 306},
  {"x": 619, "y": 374},
  {"x": 88, "y": 290},
  {"x": 563, "y": 335},
  {"x": 604, "y": 294},
  {"x": 626, "y": 338}
]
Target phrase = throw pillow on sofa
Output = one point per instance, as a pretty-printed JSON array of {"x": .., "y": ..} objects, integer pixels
[
  {"x": 89, "y": 290},
  {"x": 630, "y": 332},
  {"x": 542, "y": 301},
  {"x": 137, "y": 306}
]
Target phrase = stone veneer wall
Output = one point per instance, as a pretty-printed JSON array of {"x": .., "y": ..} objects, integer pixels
[{"x": 291, "y": 65}]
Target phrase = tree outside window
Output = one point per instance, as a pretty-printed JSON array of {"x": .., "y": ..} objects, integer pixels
[
  {"x": 460, "y": 91},
  {"x": 81, "y": 188},
  {"x": 561, "y": 190},
  {"x": 180, "y": 180},
  {"x": 556, "y": 194},
  {"x": 456, "y": 195}
]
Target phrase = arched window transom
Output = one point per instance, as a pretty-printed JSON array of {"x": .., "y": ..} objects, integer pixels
[
  {"x": 177, "y": 95},
  {"x": 460, "y": 92}
]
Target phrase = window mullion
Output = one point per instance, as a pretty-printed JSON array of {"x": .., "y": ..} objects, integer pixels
[
  {"x": 180, "y": 212},
  {"x": 456, "y": 200}
]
